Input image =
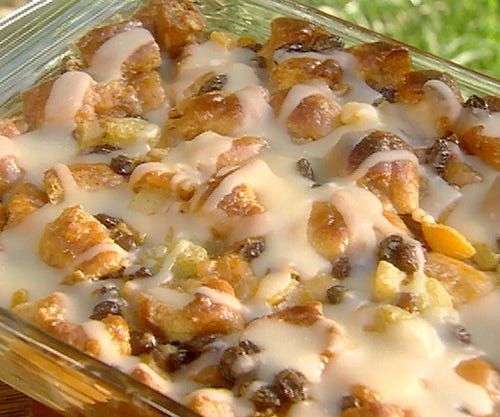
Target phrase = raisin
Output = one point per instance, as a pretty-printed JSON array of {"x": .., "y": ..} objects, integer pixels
[
  {"x": 123, "y": 239},
  {"x": 341, "y": 268},
  {"x": 104, "y": 149},
  {"x": 142, "y": 342},
  {"x": 107, "y": 220},
  {"x": 122, "y": 165},
  {"x": 241, "y": 387},
  {"x": 236, "y": 362},
  {"x": 476, "y": 102},
  {"x": 408, "y": 301},
  {"x": 114, "y": 275},
  {"x": 266, "y": 397},
  {"x": 305, "y": 169},
  {"x": 349, "y": 401},
  {"x": 260, "y": 61},
  {"x": 399, "y": 252},
  {"x": 439, "y": 154},
  {"x": 336, "y": 294},
  {"x": 291, "y": 386},
  {"x": 255, "y": 47},
  {"x": 463, "y": 335},
  {"x": 199, "y": 343},
  {"x": 324, "y": 43},
  {"x": 142, "y": 272},
  {"x": 415, "y": 228},
  {"x": 320, "y": 44},
  {"x": 173, "y": 356},
  {"x": 215, "y": 83},
  {"x": 388, "y": 93},
  {"x": 252, "y": 248},
  {"x": 376, "y": 141},
  {"x": 249, "y": 347},
  {"x": 109, "y": 290},
  {"x": 104, "y": 308}
]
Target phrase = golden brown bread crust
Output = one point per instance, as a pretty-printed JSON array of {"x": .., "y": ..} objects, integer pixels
[
  {"x": 299, "y": 70},
  {"x": 174, "y": 23},
  {"x": 90, "y": 177},
  {"x": 23, "y": 200},
  {"x": 145, "y": 59},
  {"x": 214, "y": 111},
  {"x": 327, "y": 232},
  {"x": 198, "y": 318},
  {"x": 383, "y": 64},
  {"x": 286, "y": 31},
  {"x": 462, "y": 281},
  {"x": 72, "y": 234},
  {"x": 10, "y": 174},
  {"x": 398, "y": 180},
  {"x": 485, "y": 147}
]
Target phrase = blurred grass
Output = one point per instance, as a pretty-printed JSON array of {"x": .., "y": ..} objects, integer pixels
[{"x": 465, "y": 31}]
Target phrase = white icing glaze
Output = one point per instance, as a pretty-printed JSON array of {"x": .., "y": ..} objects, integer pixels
[
  {"x": 303, "y": 350},
  {"x": 439, "y": 195},
  {"x": 480, "y": 318},
  {"x": 98, "y": 249},
  {"x": 107, "y": 61},
  {"x": 66, "y": 98},
  {"x": 379, "y": 157},
  {"x": 411, "y": 364},
  {"x": 301, "y": 91}
]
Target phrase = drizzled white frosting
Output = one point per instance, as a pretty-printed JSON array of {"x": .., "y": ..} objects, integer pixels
[{"x": 410, "y": 365}]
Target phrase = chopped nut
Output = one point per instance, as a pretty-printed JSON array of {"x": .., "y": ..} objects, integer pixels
[
  {"x": 216, "y": 83},
  {"x": 400, "y": 252},
  {"x": 142, "y": 342},
  {"x": 266, "y": 397},
  {"x": 291, "y": 386},
  {"x": 341, "y": 268},
  {"x": 305, "y": 169},
  {"x": 336, "y": 294},
  {"x": 104, "y": 308}
]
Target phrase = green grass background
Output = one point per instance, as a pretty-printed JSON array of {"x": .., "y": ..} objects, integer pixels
[{"x": 465, "y": 31}]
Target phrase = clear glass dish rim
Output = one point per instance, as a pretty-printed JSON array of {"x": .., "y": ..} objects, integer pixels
[{"x": 98, "y": 370}]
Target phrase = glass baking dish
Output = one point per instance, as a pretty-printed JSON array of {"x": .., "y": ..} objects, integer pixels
[{"x": 33, "y": 41}]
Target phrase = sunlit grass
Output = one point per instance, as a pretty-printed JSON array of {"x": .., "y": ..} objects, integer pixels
[{"x": 465, "y": 31}]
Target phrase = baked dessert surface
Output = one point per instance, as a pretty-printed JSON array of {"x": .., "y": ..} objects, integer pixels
[{"x": 281, "y": 229}]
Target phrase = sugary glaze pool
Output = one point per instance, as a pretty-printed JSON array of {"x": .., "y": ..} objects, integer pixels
[{"x": 289, "y": 229}]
